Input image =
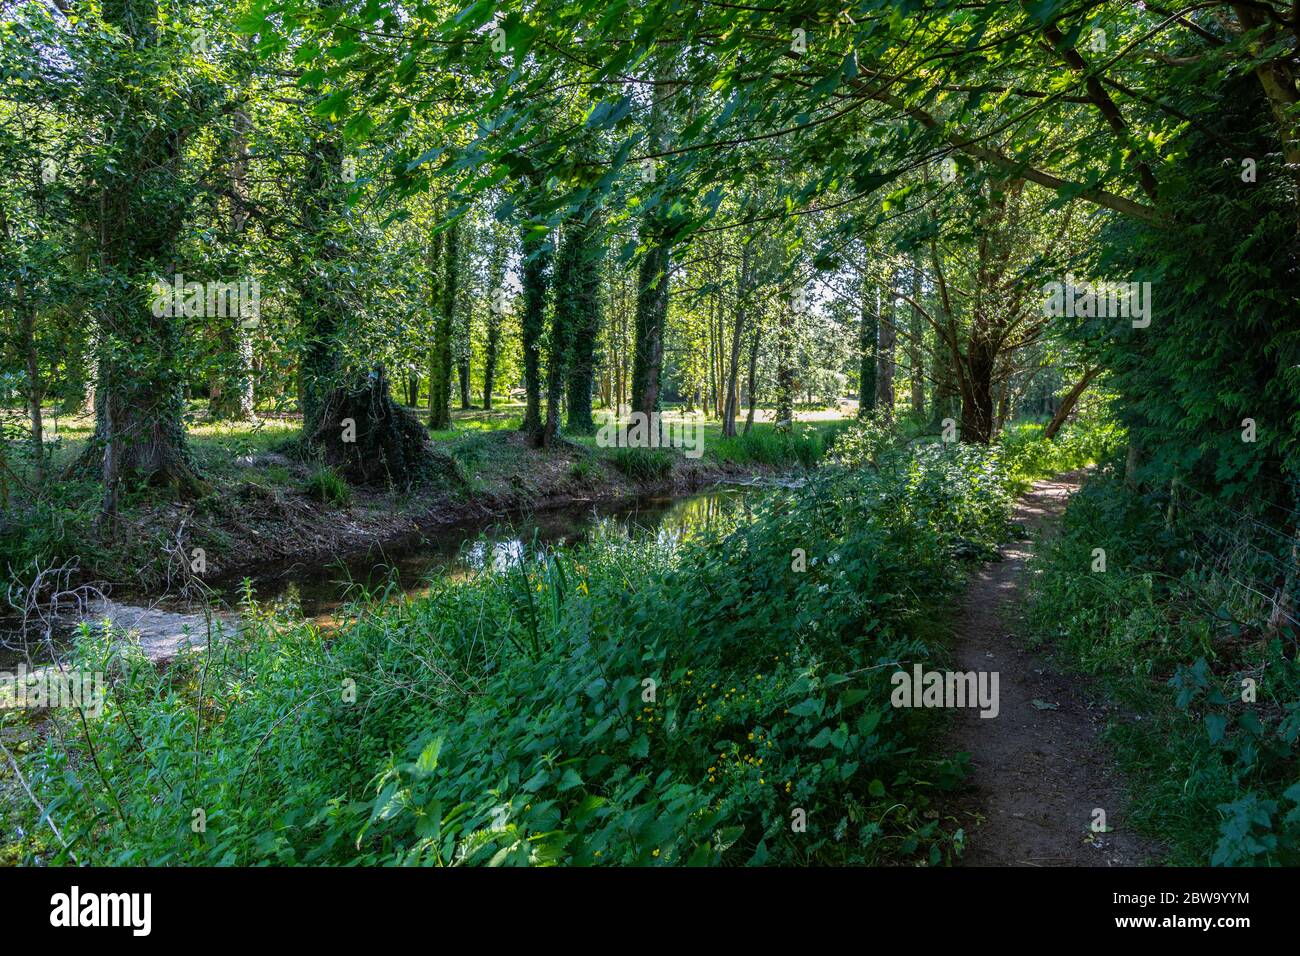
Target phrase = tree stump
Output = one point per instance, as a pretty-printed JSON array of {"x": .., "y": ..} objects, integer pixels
[{"x": 369, "y": 439}]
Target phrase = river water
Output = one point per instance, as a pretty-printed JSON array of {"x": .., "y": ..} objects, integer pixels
[
  {"x": 465, "y": 548},
  {"x": 319, "y": 590}
]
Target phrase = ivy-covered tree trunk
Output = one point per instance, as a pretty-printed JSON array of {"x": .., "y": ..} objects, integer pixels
[
  {"x": 463, "y": 341},
  {"x": 232, "y": 393},
  {"x": 648, "y": 328},
  {"x": 536, "y": 285},
  {"x": 320, "y": 304},
  {"x": 440, "y": 359},
  {"x": 886, "y": 343},
  {"x": 582, "y": 292},
  {"x": 868, "y": 330},
  {"x": 462, "y": 377},
  {"x": 135, "y": 208},
  {"x": 496, "y": 309},
  {"x": 350, "y": 420},
  {"x": 26, "y": 326},
  {"x": 369, "y": 439},
  {"x": 653, "y": 280}
]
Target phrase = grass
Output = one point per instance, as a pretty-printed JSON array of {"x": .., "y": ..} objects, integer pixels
[
  {"x": 246, "y": 464},
  {"x": 1173, "y": 639},
  {"x": 642, "y": 464},
  {"x": 326, "y": 485},
  {"x": 644, "y": 702}
]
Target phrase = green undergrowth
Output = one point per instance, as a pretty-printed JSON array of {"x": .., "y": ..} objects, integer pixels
[
  {"x": 1130, "y": 590},
  {"x": 719, "y": 699}
]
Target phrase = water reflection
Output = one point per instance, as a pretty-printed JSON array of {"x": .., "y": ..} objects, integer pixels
[{"x": 463, "y": 550}]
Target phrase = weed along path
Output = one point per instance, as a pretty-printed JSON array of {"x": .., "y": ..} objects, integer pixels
[{"x": 1039, "y": 771}]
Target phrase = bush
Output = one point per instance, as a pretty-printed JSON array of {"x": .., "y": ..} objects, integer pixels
[
  {"x": 642, "y": 464},
  {"x": 627, "y": 702},
  {"x": 1175, "y": 637},
  {"x": 327, "y": 485},
  {"x": 1026, "y": 456}
]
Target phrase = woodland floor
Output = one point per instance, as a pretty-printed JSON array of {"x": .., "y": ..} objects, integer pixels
[
  {"x": 265, "y": 517},
  {"x": 1040, "y": 768}
]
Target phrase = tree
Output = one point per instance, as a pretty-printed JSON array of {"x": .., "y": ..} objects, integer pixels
[
  {"x": 496, "y": 307},
  {"x": 654, "y": 275},
  {"x": 868, "y": 362},
  {"x": 134, "y": 204},
  {"x": 536, "y": 251},
  {"x": 578, "y": 292},
  {"x": 440, "y": 352}
]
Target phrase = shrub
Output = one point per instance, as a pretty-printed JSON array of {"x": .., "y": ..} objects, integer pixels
[
  {"x": 642, "y": 464},
  {"x": 327, "y": 485},
  {"x": 631, "y": 702},
  {"x": 1174, "y": 637},
  {"x": 1026, "y": 456}
]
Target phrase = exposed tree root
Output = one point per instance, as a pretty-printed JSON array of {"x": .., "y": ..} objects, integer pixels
[{"x": 369, "y": 439}]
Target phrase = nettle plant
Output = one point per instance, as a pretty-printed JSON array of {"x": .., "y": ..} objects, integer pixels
[{"x": 634, "y": 702}]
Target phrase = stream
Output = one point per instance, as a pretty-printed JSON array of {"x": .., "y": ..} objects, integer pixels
[
  {"x": 320, "y": 590},
  {"x": 462, "y": 549}
]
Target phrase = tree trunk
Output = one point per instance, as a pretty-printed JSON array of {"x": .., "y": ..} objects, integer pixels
[
  {"x": 945, "y": 402},
  {"x": 886, "y": 342},
  {"x": 27, "y": 343},
  {"x": 1068, "y": 403},
  {"x": 785, "y": 384},
  {"x": 232, "y": 394},
  {"x": 752, "y": 383},
  {"x": 320, "y": 305},
  {"x": 977, "y": 403},
  {"x": 584, "y": 295},
  {"x": 382, "y": 444},
  {"x": 463, "y": 344},
  {"x": 496, "y": 308},
  {"x": 653, "y": 280},
  {"x": 737, "y": 331},
  {"x": 136, "y": 208},
  {"x": 651, "y": 316},
  {"x": 868, "y": 333},
  {"x": 915, "y": 350},
  {"x": 536, "y": 283},
  {"x": 440, "y": 361}
]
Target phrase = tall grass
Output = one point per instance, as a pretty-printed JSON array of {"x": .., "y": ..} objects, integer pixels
[
  {"x": 629, "y": 701},
  {"x": 1170, "y": 631}
]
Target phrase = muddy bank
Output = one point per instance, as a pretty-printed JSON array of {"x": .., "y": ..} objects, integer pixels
[
  {"x": 162, "y": 627},
  {"x": 265, "y": 539}
]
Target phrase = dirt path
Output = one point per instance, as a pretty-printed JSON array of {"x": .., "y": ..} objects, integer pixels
[{"x": 1038, "y": 768}]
